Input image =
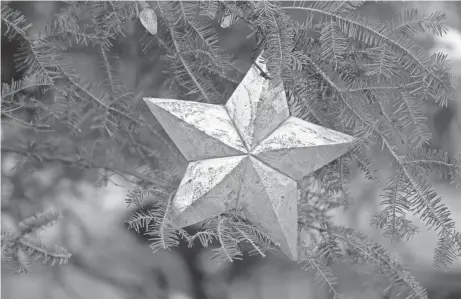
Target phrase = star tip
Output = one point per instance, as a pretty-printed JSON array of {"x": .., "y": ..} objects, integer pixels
[
  {"x": 293, "y": 256},
  {"x": 353, "y": 140},
  {"x": 155, "y": 100}
]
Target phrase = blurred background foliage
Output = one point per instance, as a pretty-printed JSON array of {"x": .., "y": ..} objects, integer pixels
[{"x": 109, "y": 261}]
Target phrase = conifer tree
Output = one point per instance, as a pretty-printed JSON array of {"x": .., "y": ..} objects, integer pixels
[{"x": 364, "y": 77}]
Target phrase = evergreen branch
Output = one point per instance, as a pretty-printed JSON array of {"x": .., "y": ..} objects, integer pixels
[
  {"x": 63, "y": 29},
  {"x": 392, "y": 218},
  {"x": 221, "y": 239},
  {"x": 163, "y": 234},
  {"x": 178, "y": 51},
  {"x": 109, "y": 18},
  {"x": 323, "y": 273},
  {"x": 409, "y": 23},
  {"x": 141, "y": 219},
  {"x": 421, "y": 133},
  {"x": 344, "y": 174},
  {"x": 16, "y": 23},
  {"x": 374, "y": 36},
  {"x": 395, "y": 208},
  {"x": 29, "y": 126},
  {"x": 37, "y": 57},
  {"x": 99, "y": 102},
  {"x": 278, "y": 43},
  {"x": 205, "y": 237},
  {"x": 379, "y": 257},
  {"x": 359, "y": 115},
  {"x": 447, "y": 250},
  {"x": 25, "y": 83},
  {"x": 108, "y": 69},
  {"x": 384, "y": 139},
  {"x": 422, "y": 159},
  {"x": 342, "y": 59},
  {"x": 78, "y": 162},
  {"x": 252, "y": 242},
  {"x": 206, "y": 34},
  {"x": 34, "y": 55},
  {"x": 228, "y": 250},
  {"x": 347, "y": 6},
  {"x": 18, "y": 249},
  {"x": 435, "y": 215},
  {"x": 164, "y": 220},
  {"x": 40, "y": 251},
  {"x": 364, "y": 162},
  {"x": 409, "y": 110},
  {"x": 258, "y": 238},
  {"x": 137, "y": 194},
  {"x": 384, "y": 88},
  {"x": 390, "y": 122},
  {"x": 38, "y": 221},
  {"x": 333, "y": 43}
]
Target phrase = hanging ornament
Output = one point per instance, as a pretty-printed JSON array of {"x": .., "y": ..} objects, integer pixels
[
  {"x": 248, "y": 154},
  {"x": 148, "y": 17},
  {"x": 228, "y": 19}
]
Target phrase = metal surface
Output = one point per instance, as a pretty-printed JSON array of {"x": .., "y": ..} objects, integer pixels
[{"x": 247, "y": 154}]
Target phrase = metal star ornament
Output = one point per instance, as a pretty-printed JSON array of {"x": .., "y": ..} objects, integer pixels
[
  {"x": 248, "y": 154},
  {"x": 148, "y": 17}
]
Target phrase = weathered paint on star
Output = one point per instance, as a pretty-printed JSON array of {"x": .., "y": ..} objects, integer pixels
[
  {"x": 247, "y": 154},
  {"x": 257, "y": 107}
]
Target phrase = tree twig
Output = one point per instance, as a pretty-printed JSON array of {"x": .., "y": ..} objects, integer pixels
[{"x": 82, "y": 164}]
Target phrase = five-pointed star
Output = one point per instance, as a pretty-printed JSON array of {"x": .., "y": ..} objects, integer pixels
[{"x": 247, "y": 154}]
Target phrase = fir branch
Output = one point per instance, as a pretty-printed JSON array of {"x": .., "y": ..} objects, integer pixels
[
  {"x": 392, "y": 218},
  {"x": 25, "y": 83},
  {"x": 421, "y": 134},
  {"x": 205, "y": 237},
  {"x": 362, "y": 31},
  {"x": 338, "y": 72},
  {"x": 245, "y": 231},
  {"x": 228, "y": 251},
  {"x": 420, "y": 191},
  {"x": 390, "y": 122},
  {"x": 376, "y": 255},
  {"x": 201, "y": 30},
  {"x": 410, "y": 24},
  {"x": 39, "y": 251},
  {"x": 138, "y": 193},
  {"x": 422, "y": 159},
  {"x": 163, "y": 234},
  {"x": 323, "y": 274},
  {"x": 38, "y": 221},
  {"x": 447, "y": 250},
  {"x": 170, "y": 21},
  {"x": 109, "y": 18},
  {"x": 333, "y": 42},
  {"x": 107, "y": 66},
  {"x": 16, "y": 23},
  {"x": 79, "y": 162},
  {"x": 28, "y": 126},
  {"x": 18, "y": 248},
  {"x": 63, "y": 29},
  {"x": 141, "y": 219},
  {"x": 34, "y": 55}
]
